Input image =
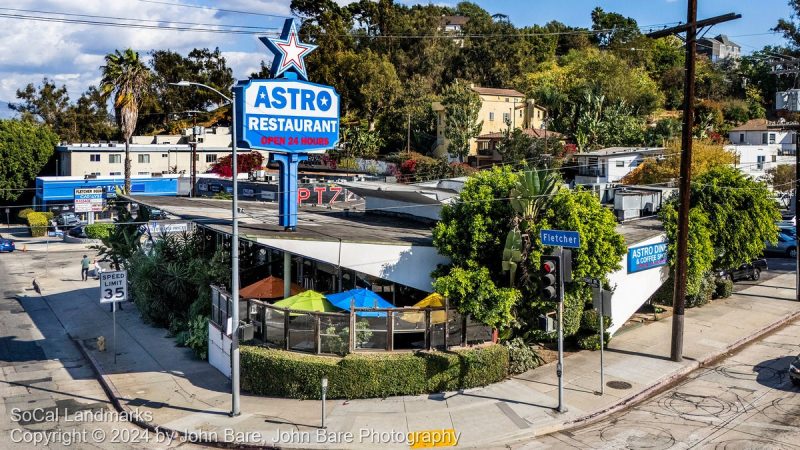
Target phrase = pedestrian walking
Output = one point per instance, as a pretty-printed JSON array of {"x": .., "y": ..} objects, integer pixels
[{"x": 85, "y": 268}]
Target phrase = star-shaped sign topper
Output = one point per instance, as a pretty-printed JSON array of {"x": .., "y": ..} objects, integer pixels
[{"x": 289, "y": 51}]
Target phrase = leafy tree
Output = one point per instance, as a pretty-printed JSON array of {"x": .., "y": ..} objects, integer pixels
[
  {"x": 85, "y": 121},
  {"x": 125, "y": 76},
  {"x": 245, "y": 163},
  {"x": 124, "y": 239},
  {"x": 700, "y": 245},
  {"x": 520, "y": 148},
  {"x": 613, "y": 29},
  {"x": 781, "y": 177},
  {"x": 461, "y": 105},
  {"x": 25, "y": 147},
  {"x": 740, "y": 211},
  {"x": 361, "y": 143},
  {"x": 473, "y": 231},
  {"x": 372, "y": 85},
  {"x": 789, "y": 26},
  {"x": 663, "y": 131},
  {"x": 474, "y": 293},
  {"x": 47, "y": 103},
  {"x": 705, "y": 156}
]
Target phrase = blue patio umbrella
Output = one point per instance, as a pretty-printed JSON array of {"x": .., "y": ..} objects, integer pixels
[{"x": 363, "y": 298}]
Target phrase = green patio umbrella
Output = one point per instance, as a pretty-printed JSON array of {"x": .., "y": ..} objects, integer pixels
[{"x": 307, "y": 301}]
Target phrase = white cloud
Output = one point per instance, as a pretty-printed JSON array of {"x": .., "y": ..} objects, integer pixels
[{"x": 72, "y": 53}]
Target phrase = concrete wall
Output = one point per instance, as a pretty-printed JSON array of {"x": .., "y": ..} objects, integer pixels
[
  {"x": 633, "y": 289},
  {"x": 779, "y": 138},
  {"x": 748, "y": 155}
]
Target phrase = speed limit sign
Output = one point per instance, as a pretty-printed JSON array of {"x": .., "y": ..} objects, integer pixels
[{"x": 113, "y": 286}]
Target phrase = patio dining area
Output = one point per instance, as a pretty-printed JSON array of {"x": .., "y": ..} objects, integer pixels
[{"x": 357, "y": 320}]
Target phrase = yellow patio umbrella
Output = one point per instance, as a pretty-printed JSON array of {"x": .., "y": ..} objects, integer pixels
[{"x": 432, "y": 301}]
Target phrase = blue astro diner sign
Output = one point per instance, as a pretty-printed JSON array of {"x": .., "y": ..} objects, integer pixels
[
  {"x": 287, "y": 114},
  {"x": 647, "y": 257}
]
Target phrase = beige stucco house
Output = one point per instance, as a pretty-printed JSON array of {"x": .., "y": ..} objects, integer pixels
[{"x": 500, "y": 109}]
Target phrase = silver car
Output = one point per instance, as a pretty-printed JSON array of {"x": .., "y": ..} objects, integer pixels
[{"x": 786, "y": 245}]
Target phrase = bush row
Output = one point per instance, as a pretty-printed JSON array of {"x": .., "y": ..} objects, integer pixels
[
  {"x": 99, "y": 230},
  {"x": 287, "y": 374},
  {"x": 38, "y": 222}
]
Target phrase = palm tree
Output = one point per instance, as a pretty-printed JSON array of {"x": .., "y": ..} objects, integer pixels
[{"x": 125, "y": 76}]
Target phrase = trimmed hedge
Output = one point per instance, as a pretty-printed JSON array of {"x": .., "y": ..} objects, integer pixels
[
  {"x": 287, "y": 374},
  {"x": 98, "y": 230},
  {"x": 38, "y": 223}
]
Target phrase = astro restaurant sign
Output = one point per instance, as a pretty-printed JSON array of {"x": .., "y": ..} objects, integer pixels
[
  {"x": 290, "y": 116},
  {"x": 647, "y": 257}
]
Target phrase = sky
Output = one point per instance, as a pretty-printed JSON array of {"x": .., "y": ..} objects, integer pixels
[{"x": 71, "y": 54}]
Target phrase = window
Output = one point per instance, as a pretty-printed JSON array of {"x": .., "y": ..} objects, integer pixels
[
  {"x": 144, "y": 159},
  {"x": 491, "y": 117},
  {"x": 94, "y": 157},
  {"x": 143, "y": 173},
  {"x": 520, "y": 114},
  {"x": 507, "y": 117},
  {"x": 165, "y": 155},
  {"x": 794, "y": 136},
  {"x": 95, "y": 174},
  {"x": 212, "y": 157},
  {"x": 741, "y": 141},
  {"x": 763, "y": 138},
  {"x": 114, "y": 159},
  {"x": 760, "y": 162},
  {"x": 196, "y": 157},
  {"x": 115, "y": 174},
  {"x": 772, "y": 138},
  {"x": 620, "y": 164}
]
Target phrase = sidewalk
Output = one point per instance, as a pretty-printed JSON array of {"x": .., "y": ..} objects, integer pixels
[{"x": 190, "y": 396}]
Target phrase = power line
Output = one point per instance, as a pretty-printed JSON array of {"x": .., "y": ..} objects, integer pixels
[{"x": 209, "y": 8}]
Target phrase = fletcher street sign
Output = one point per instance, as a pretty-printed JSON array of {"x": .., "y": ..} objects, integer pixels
[{"x": 560, "y": 238}]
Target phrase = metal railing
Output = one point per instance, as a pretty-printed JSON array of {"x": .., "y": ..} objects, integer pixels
[{"x": 356, "y": 330}]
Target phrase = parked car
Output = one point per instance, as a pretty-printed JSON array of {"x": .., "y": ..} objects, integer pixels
[
  {"x": 6, "y": 245},
  {"x": 68, "y": 219},
  {"x": 78, "y": 232},
  {"x": 751, "y": 271},
  {"x": 786, "y": 245},
  {"x": 794, "y": 371},
  {"x": 157, "y": 214}
]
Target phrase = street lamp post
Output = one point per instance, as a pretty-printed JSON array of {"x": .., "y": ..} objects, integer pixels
[{"x": 234, "y": 252}]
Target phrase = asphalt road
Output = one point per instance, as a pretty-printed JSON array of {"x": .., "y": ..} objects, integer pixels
[
  {"x": 746, "y": 401},
  {"x": 49, "y": 397}
]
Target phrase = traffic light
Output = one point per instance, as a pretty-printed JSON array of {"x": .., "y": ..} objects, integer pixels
[{"x": 550, "y": 267}]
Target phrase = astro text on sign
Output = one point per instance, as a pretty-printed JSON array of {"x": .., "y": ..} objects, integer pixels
[{"x": 289, "y": 116}]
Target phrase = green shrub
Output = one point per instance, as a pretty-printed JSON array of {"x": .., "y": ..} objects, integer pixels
[
  {"x": 521, "y": 356},
  {"x": 590, "y": 320},
  {"x": 592, "y": 341},
  {"x": 704, "y": 292},
  {"x": 48, "y": 215},
  {"x": 23, "y": 214},
  {"x": 368, "y": 375},
  {"x": 99, "y": 230},
  {"x": 222, "y": 196},
  {"x": 723, "y": 288},
  {"x": 38, "y": 223},
  {"x": 664, "y": 295}
]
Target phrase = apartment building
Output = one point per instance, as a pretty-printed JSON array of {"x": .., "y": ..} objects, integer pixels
[
  {"x": 501, "y": 109},
  {"x": 150, "y": 155},
  {"x": 760, "y": 145}
]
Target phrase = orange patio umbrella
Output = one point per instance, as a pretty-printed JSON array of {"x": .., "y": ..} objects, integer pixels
[{"x": 268, "y": 288}]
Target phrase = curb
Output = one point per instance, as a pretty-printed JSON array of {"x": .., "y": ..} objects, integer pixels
[
  {"x": 625, "y": 403},
  {"x": 113, "y": 395},
  {"x": 671, "y": 380}
]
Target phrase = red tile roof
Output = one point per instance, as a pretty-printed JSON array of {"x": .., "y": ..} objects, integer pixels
[
  {"x": 752, "y": 125},
  {"x": 532, "y": 132},
  {"x": 497, "y": 91}
]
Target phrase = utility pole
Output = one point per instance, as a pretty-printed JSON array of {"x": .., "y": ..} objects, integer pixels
[
  {"x": 193, "y": 163},
  {"x": 408, "y": 137},
  {"x": 791, "y": 66},
  {"x": 684, "y": 192}
]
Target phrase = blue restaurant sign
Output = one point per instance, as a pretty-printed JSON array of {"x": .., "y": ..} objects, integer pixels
[
  {"x": 560, "y": 238},
  {"x": 286, "y": 115},
  {"x": 289, "y": 116},
  {"x": 647, "y": 257}
]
